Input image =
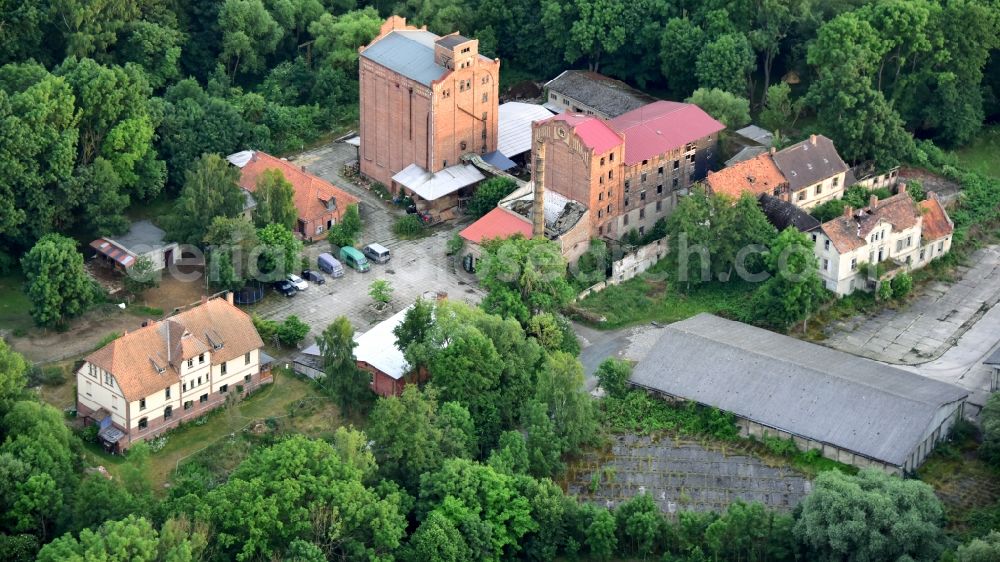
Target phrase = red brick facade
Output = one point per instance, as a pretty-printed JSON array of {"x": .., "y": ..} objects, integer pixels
[{"x": 406, "y": 121}]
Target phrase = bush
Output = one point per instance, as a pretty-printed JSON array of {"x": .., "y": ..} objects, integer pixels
[
  {"x": 292, "y": 331},
  {"x": 454, "y": 245},
  {"x": 346, "y": 231},
  {"x": 613, "y": 375},
  {"x": 901, "y": 285},
  {"x": 268, "y": 329},
  {"x": 642, "y": 413},
  {"x": 46, "y": 376},
  {"x": 409, "y": 227},
  {"x": 488, "y": 194},
  {"x": 885, "y": 291},
  {"x": 779, "y": 446}
]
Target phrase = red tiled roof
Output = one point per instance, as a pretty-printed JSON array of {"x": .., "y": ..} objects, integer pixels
[
  {"x": 851, "y": 233},
  {"x": 134, "y": 357},
  {"x": 936, "y": 223},
  {"x": 661, "y": 127},
  {"x": 311, "y": 192},
  {"x": 498, "y": 223},
  {"x": 593, "y": 132},
  {"x": 758, "y": 176}
]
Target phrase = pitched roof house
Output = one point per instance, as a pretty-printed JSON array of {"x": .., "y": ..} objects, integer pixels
[
  {"x": 150, "y": 379},
  {"x": 319, "y": 204},
  {"x": 895, "y": 232},
  {"x": 757, "y": 176},
  {"x": 814, "y": 171}
]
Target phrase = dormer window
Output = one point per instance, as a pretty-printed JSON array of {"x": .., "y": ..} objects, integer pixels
[{"x": 201, "y": 359}]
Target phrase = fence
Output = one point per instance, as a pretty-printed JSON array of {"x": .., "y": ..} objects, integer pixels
[{"x": 631, "y": 264}]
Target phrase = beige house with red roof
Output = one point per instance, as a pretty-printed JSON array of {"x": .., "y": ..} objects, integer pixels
[
  {"x": 897, "y": 233},
  {"x": 149, "y": 380},
  {"x": 319, "y": 203}
]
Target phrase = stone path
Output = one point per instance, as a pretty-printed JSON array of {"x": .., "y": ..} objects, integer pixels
[
  {"x": 682, "y": 476},
  {"x": 927, "y": 327}
]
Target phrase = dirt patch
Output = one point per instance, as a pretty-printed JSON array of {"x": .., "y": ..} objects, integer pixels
[
  {"x": 525, "y": 90},
  {"x": 946, "y": 189},
  {"x": 172, "y": 293},
  {"x": 46, "y": 346}
]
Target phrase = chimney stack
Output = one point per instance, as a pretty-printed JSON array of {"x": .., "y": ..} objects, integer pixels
[
  {"x": 901, "y": 188},
  {"x": 538, "y": 208},
  {"x": 204, "y": 299},
  {"x": 773, "y": 150},
  {"x": 229, "y": 297},
  {"x": 873, "y": 200},
  {"x": 812, "y": 140},
  {"x": 848, "y": 211}
]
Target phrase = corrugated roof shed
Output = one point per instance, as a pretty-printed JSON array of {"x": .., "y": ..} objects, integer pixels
[
  {"x": 515, "y": 126},
  {"x": 757, "y": 134},
  {"x": 607, "y": 95},
  {"x": 377, "y": 346},
  {"x": 432, "y": 186},
  {"x": 805, "y": 389},
  {"x": 408, "y": 52}
]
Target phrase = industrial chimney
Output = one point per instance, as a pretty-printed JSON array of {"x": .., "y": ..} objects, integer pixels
[{"x": 538, "y": 208}]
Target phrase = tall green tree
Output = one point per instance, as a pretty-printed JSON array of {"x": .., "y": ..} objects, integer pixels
[
  {"x": 281, "y": 252},
  {"x": 345, "y": 232},
  {"x": 13, "y": 375},
  {"x": 416, "y": 325},
  {"x": 524, "y": 277},
  {"x": 870, "y": 516},
  {"x": 488, "y": 194},
  {"x": 681, "y": 41},
  {"x": 794, "y": 290},
  {"x": 57, "y": 284},
  {"x": 275, "y": 198},
  {"x": 231, "y": 243},
  {"x": 249, "y": 34},
  {"x": 407, "y": 438},
  {"x": 730, "y": 109},
  {"x": 726, "y": 64},
  {"x": 337, "y": 38},
  {"x": 348, "y": 384},
  {"x": 211, "y": 189}
]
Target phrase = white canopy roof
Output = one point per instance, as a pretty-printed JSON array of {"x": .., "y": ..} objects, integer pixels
[
  {"x": 433, "y": 186},
  {"x": 377, "y": 347},
  {"x": 515, "y": 126}
]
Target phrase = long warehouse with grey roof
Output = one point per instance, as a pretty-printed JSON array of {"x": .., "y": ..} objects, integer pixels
[{"x": 853, "y": 410}]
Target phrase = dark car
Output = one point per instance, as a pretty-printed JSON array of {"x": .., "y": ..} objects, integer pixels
[
  {"x": 313, "y": 276},
  {"x": 285, "y": 288}
]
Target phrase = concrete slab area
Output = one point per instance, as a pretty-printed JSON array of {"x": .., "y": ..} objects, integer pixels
[{"x": 931, "y": 324}]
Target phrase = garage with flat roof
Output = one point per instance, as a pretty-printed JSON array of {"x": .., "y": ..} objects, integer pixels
[{"x": 853, "y": 410}]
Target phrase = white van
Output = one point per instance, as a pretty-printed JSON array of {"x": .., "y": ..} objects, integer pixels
[{"x": 377, "y": 253}]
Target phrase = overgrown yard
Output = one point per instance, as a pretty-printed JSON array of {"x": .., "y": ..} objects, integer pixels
[
  {"x": 983, "y": 154},
  {"x": 14, "y": 305},
  {"x": 290, "y": 402},
  {"x": 650, "y": 297},
  {"x": 968, "y": 487}
]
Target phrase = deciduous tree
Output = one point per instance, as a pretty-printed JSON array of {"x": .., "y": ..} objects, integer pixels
[
  {"x": 488, "y": 194},
  {"x": 343, "y": 379},
  {"x": 211, "y": 189},
  {"x": 275, "y": 198},
  {"x": 730, "y": 109},
  {"x": 57, "y": 284}
]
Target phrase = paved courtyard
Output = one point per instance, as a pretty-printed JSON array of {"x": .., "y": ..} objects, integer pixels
[
  {"x": 927, "y": 327},
  {"x": 682, "y": 476},
  {"x": 417, "y": 266}
]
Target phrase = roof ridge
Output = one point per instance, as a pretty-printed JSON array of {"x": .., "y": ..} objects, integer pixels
[{"x": 801, "y": 365}]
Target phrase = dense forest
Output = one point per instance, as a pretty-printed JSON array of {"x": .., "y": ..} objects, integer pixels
[{"x": 111, "y": 105}]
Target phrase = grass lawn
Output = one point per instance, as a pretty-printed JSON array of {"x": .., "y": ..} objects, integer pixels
[
  {"x": 982, "y": 154},
  {"x": 14, "y": 304},
  {"x": 647, "y": 298}
]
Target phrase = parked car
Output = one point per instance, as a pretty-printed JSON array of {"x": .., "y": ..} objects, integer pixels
[
  {"x": 313, "y": 276},
  {"x": 329, "y": 264},
  {"x": 354, "y": 258},
  {"x": 285, "y": 288},
  {"x": 297, "y": 282},
  {"x": 377, "y": 253}
]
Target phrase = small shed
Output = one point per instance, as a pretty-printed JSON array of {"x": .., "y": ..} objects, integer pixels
[
  {"x": 143, "y": 239},
  {"x": 376, "y": 352},
  {"x": 993, "y": 361}
]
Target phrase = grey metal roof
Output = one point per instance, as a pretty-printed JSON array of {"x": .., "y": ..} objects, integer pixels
[
  {"x": 994, "y": 358},
  {"x": 442, "y": 182},
  {"x": 805, "y": 163},
  {"x": 515, "y": 126},
  {"x": 805, "y": 389},
  {"x": 449, "y": 41},
  {"x": 746, "y": 153},
  {"x": 142, "y": 236},
  {"x": 408, "y": 52},
  {"x": 783, "y": 214},
  {"x": 757, "y": 134},
  {"x": 607, "y": 95}
]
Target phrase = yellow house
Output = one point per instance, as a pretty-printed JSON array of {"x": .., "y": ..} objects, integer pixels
[{"x": 148, "y": 381}]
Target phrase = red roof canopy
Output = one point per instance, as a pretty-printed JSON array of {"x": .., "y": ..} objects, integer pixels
[
  {"x": 661, "y": 127},
  {"x": 498, "y": 223}
]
